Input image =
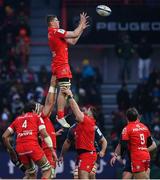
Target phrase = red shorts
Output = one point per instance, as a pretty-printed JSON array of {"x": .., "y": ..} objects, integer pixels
[
  {"x": 86, "y": 161},
  {"x": 27, "y": 152},
  {"x": 140, "y": 165},
  {"x": 61, "y": 71},
  {"x": 49, "y": 156}
]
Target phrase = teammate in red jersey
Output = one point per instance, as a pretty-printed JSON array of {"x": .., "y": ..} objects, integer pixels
[
  {"x": 84, "y": 136},
  {"x": 58, "y": 42},
  {"x": 44, "y": 112},
  {"x": 127, "y": 172},
  {"x": 136, "y": 136},
  {"x": 100, "y": 143},
  {"x": 27, "y": 126}
]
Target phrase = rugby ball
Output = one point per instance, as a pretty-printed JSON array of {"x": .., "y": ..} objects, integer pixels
[{"x": 103, "y": 10}]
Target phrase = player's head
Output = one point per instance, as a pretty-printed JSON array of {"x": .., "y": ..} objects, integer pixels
[
  {"x": 33, "y": 107},
  {"x": 132, "y": 114},
  {"x": 29, "y": 107},
  {"x": 52, "y": 21},
  {"x": 90, "y": 111}
]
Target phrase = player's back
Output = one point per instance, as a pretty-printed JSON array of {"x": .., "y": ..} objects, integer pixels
[
  {"x": 138, "y": 134},
  {"x": 58, "y": 45},
  {"x": 26, "y": 127}
]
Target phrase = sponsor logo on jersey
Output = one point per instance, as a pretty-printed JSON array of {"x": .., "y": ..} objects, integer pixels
[{"x": 62, "y": 31}]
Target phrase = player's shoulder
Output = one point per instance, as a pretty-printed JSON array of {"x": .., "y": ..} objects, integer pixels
[
  {"x": 146, "y": 126},
  {"x": 33, "y": 115},
  {"x": 124, "y": 130}
]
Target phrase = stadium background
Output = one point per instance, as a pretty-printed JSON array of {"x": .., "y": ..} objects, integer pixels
[{"x": 25, "y": 68}]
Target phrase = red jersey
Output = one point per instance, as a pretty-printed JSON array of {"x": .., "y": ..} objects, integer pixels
[
  {"x": 58, "y": 45},
  {"x": 51, "y": 131},
  {"x": 137, "y": 133},
  {"x": 27, "y": 127},
  {"x": 85, "y": 134}
]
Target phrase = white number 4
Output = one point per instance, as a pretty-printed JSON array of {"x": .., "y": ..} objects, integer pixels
[
  {"x": 142, "y": 138},
  {"x": 24, "y": 125}
]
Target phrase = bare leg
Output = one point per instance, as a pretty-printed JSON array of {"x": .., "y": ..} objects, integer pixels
[
  {"x": 30, "y": 171},
  {"x": 83, "y": 174},
  {"x": 92, "y": 176},
  {"x": 127, "y": 175},
  {"x": 61, "y": 102},
  {"x": 43, "y": 162},
  {"x": 148, "y": 172},
  {"x": 141, "y": 175}
]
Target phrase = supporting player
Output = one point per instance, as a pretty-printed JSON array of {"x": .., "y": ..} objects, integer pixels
[
  {"x": 136, "y": 136},
  {"x": 45, "y": 112},
  {"x": 27, "y": 126},
  {"x": 58, "y": 42},
  {"x": 100, "y": 144},
  {"x": 84, "y": 136},
  {"x": 127, "y": 172}
]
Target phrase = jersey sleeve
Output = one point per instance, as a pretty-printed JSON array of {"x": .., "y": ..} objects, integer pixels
[
  {"x": 11, "y": 128},
  {"x": 98, "y": 134},
  {"x": 60, "y": 33},
  {"x": 125, "y": 134},
  {"x": 41, "y": 124}
]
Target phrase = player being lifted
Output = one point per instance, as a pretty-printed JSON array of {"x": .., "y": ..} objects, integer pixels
[{"x": 58, "y": 42}]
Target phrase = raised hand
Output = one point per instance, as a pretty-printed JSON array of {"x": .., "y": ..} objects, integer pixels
[
  {"x": 84, "y": 20},
  {"x": 60, "y": 160},
  {"x": 59, "y": 132}
]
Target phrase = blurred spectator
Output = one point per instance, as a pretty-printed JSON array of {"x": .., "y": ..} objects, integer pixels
[
  {"x": 39, "y": 94},
  {"x": 144, "y": 51},
  {"x": 123, "y": 99},
  {"x": 124, "y": 50},
  {"x": 43, "y": 75},
  {"x": 88, "y": 71},
  {"x": 16, "y": 105},
  {"x": 23, "y": 47}
]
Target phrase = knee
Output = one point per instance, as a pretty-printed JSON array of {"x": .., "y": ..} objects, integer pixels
[{"x": 64, "y": 82}]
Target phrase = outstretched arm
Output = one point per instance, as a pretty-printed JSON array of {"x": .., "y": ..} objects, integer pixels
[
  {"x": 73, "y": 104},
  {"x": 73, "y": 36},
  {"x": 65, "y": 148},
  {"x": 50, "y": 98},
  {"x": 103, "y": 143},
  {"x": 151, "y": 144},
  {"x": 48, "y": 141},
  {"x": 116, "y": 154}
]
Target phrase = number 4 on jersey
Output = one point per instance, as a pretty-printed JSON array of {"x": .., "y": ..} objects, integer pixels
[{"x": 24, "y": 125}]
